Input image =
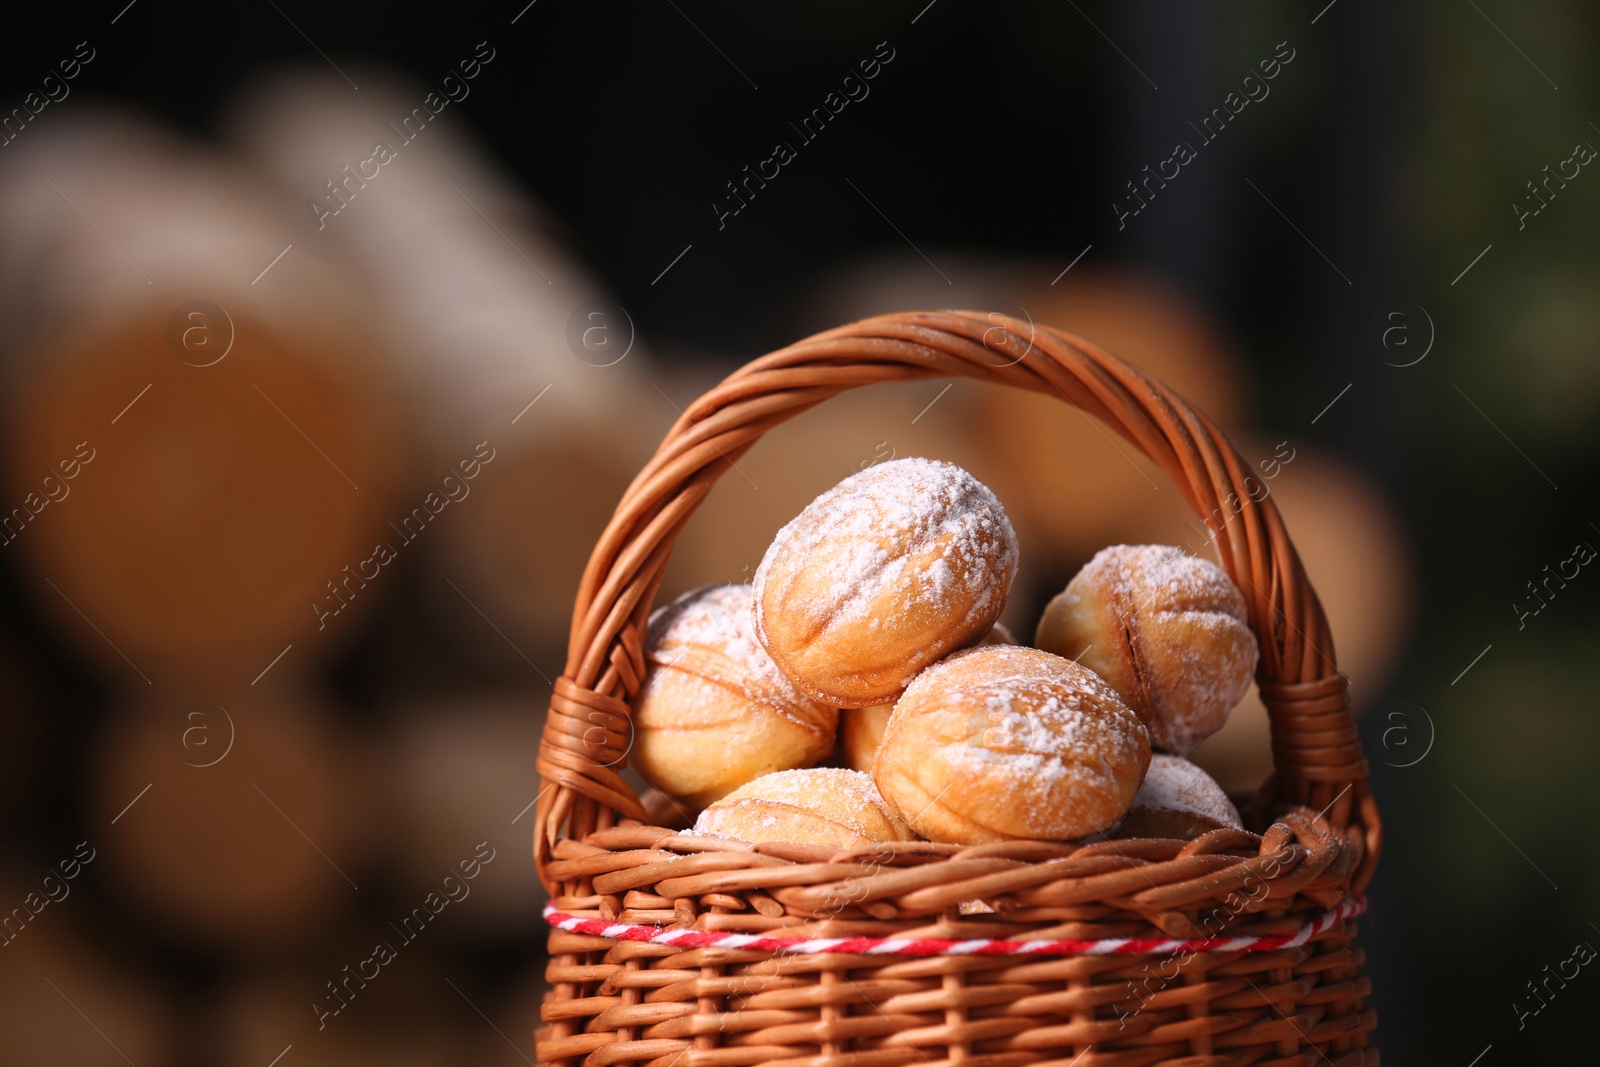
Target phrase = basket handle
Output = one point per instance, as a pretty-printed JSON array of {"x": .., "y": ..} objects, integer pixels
[{"x": 1315, "y": 748}]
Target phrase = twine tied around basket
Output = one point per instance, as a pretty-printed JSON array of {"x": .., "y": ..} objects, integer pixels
[{"x": 683, "y": 937}]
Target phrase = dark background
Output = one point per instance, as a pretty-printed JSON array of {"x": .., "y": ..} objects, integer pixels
[{"x": 1396, "y": 141}]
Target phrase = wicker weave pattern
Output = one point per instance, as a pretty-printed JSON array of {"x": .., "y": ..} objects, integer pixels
[{"x": 630, "y": 1002}]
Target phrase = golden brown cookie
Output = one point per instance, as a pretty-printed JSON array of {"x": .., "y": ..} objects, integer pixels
[
  {"x": 1169, "y": 631},
  {"x": 1004, "y": 743},
  {"x": 817, "y": 806},
  {"x": 714, "y": 711},
  {"x": 881, "y": 576},
  {"x": 1178, "y": 800}
]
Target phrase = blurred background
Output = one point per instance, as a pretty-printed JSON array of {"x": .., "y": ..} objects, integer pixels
[{"x": 330, "y": 336}]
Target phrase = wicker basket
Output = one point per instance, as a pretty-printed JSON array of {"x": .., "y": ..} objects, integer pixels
[{"x": 683, "y": 951}]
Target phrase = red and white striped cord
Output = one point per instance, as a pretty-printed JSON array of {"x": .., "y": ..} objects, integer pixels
[{"x": 683, "y": 937}]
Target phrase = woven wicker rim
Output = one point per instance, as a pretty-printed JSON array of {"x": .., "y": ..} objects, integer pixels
[{"x": 1316, "y": 751}]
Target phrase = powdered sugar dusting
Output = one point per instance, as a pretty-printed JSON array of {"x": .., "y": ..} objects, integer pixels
[
  {"x": 858, "y": 539},
  {"x": 849, "y": 798},
  {"x": 711, "y": 632},
  {"x": 1044, "y": 734},
  {"x": 1175, "y": 784},
  {"x": 1190, "y": 630},
  {"x": 1172, "y": 580}
]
